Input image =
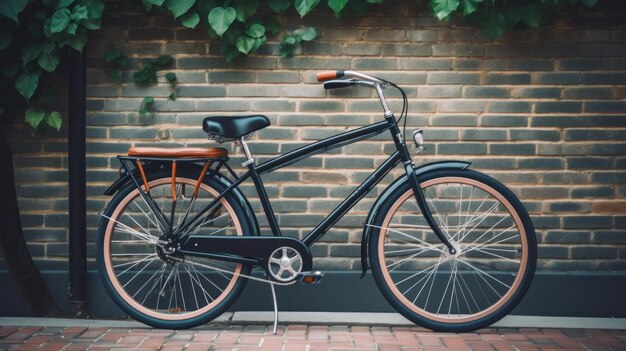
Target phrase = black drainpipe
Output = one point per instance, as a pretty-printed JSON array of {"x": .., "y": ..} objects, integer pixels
[{"x": 77, "y": 182}]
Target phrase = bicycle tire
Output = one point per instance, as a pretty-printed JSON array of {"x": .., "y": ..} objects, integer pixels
[
  {"x": 491, "y": 271},
  {"x": 123, "y": 229}
]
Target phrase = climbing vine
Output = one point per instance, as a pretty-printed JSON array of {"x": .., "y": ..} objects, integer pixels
[{"x": 35, "y": 34}]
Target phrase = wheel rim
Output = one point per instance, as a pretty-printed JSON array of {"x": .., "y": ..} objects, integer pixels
[
  {"x": 178, "y": 288},
  {"x": 491, "y": 245}
]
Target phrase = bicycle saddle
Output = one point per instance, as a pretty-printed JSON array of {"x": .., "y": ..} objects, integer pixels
[{"x": 234, "y": 126}]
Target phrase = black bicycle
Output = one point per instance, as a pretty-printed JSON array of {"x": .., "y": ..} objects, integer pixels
[{"x": 451, "y": 249}]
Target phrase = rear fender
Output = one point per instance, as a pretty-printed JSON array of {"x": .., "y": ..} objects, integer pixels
[
  {"x": 220, "y": 178},
  {"x": 429, "y": 167}
]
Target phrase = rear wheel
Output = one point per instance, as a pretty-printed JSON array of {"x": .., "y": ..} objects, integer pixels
[
  {"x": 487, "y": 277},
  {"x": 153, "y": 283}
]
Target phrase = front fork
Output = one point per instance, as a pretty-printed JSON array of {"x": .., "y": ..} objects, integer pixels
[{"x": 409, "y": 168}]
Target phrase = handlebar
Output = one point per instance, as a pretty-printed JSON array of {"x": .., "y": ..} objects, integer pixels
[{"x": 328, "y": 75}]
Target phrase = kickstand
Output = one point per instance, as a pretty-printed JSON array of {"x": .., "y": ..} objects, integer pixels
[{"x": 275, "y": 309}]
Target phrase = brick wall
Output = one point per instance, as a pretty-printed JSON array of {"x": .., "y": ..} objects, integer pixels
[{"x": 542, "y": 110}]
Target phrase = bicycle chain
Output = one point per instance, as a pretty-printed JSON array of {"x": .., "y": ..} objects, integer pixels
[{"x": 241, "y": 274}]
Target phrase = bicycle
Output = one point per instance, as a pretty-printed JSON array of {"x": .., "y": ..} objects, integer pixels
[{"x": 451, "y": 249}]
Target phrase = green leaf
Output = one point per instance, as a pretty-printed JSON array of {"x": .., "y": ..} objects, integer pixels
[
  {"x": 112, "y": 55},
  {"x": 144, "y": 112},
  {"x": 79, "y": 13},
  {"x": 78, "y": 41},
  {"x": 258, "y": 42},
  {"x": 229, "y": 51},
  {"x": 31, "y": 51},
  {"x": 443, "y": 8},
  {"x": 60, "y": 20},
  {"x": 469, "y": 6},
  {"x": 272, "y": 26},
  {"x": 245, "y": 9},
  {"x": 221, "y": 18},
  {"x": 49, "y": 60},
  {"x": 279, "y": 6},
  {"x": 163, "y": 61},
  {"x": 375, "y": 1},
  {"x": 172, "y": 96},
  {"x": 494, "y": 25},
  {"x": 171, "y": 77},
  {"x": 5, "y": 40},
  {"x": 65, "y": 3},
  {"x": 148, "y": 100},
  {"x": 179, "y": 7},
  {"x": 147, "y": 4},
  {"x": 53, "y": 119},
  {"x": 589, "y": 3},
  {"x": 71, "y": 29},
  {"x": 144, "y": 76},
  {"x": 26, "y": 84},
  {"x": 531, "y": 15},
  {"x": 308, "y": 34},
  {"x": 13, "y": 8},
  {"x": 190, "y": 19},
  {"x": 34, "y": 116},
  {"x": 305, "y": 6},
  {"x": 94, "y": 14},
  {"x": 255, "y": 31},
  {"x": 337, "y": 6},
  {"x": 244, "y": 44}
]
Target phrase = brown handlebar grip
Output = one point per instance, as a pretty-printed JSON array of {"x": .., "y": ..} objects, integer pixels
[{"x": 328, "y": 75}]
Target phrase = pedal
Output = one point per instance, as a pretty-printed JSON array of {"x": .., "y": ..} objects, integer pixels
[{"x": 313, "y": 277}]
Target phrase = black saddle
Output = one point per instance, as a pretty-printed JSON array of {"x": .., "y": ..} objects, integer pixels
[{"x": 234, "y": 126}]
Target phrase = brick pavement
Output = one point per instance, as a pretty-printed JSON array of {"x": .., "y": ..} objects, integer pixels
[{"x": 306, "y": 338}]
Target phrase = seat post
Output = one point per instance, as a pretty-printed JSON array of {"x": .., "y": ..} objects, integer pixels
[{"x": 246, "y": 151}]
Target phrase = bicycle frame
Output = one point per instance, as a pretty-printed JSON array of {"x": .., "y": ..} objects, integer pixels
[{"x": 349, "y": 137}]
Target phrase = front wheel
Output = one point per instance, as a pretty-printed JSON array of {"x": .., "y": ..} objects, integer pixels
[{"x": 496, "y": 251}]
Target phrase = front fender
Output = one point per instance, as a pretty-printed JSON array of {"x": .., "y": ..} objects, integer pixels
[{"x": 429, "y": 167}]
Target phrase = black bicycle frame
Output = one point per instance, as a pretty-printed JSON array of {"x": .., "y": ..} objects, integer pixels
[{"x": 349, "y": 137}]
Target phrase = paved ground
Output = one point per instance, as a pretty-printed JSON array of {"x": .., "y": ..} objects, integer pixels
[{"x": 301, "y": 337}]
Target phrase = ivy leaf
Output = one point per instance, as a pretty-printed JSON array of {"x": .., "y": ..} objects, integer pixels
[
  {"x": 60, "y": 20},
  {"x": 190, "y": 19},
  {"x": 13, "y": 8},
  {"x": 255, "y": 31},
  {"x": 244, "y": 44},
  {"x": 279, "y": 6},
  {"x": 26, "y": 84},
  {"x": 34, "y": 116},
  {"x": 229, "y": 51},
  {"x": 71, "y": 29},
  {"x": 337, "y": 6},
  {"x": 144, "y": 76},
  {"x": 305, "y": 6},
  {"x": 469, "y": 6},
  {"x": 171, "y": 77},
  {"x": 5, "y": 40},
  {"x": 78, "y": 41},
  {"x": 148, "y": 100},
  {"x": 31, "y": 51},
  {"x": 172, "y": 96},
  {"x": 272, "y": 26},
  {"x": 94, "y": 14},
  {"x": 494, "y": 25},
  {"x": 308, "y": 34},
  {"x": 221, "y": 18},
  {"x": 179, "y": 7},
  {"x": 147, "y": 4},
  {"x": 79, "y": 13},
  {"x": 164, "y": 60},
  {"x": 531, "y": 15},
  {"x": 49, "y": 60},
  {"x": 443, "y": 8},
  {"x": 245, "y": 9},
  {"x": 375, "y": 1},
  {"x": 53, "y": 119},
  {"x": 258, "y": 42}
]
